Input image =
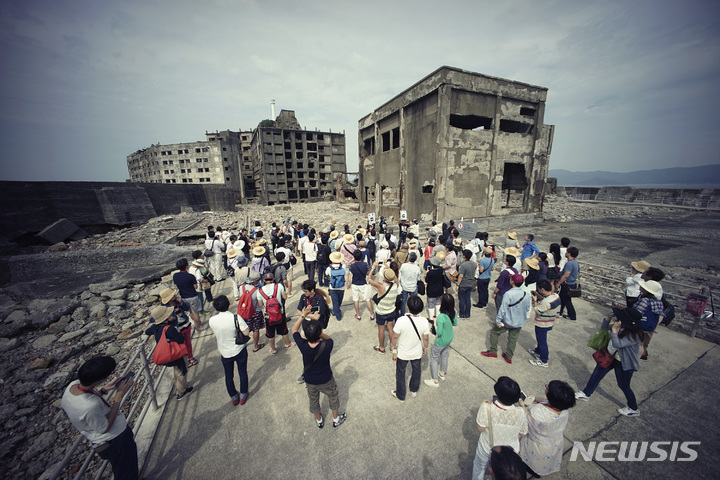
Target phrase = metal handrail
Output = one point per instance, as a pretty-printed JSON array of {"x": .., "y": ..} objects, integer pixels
[
  {"x": 667, "y": 201},
  {"x": 147, "y": 386}
]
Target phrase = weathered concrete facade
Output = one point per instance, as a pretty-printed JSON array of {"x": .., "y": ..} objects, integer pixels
[
  {"x": 456, "y": 144},
  {"x": 295, "y": 165}
]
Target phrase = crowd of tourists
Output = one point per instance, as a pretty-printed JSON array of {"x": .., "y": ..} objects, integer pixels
[{"x": 414, "y": 286}]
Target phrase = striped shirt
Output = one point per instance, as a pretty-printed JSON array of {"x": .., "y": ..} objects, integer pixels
[{"x": 547, "y": 311}]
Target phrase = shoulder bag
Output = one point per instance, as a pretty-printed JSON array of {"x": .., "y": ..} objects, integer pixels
[
  {"x": 209, "y": 251},
  {"x": 575, "y": 292},
  {"x": 240, "y": 337},
  {"x": 378, "y": 300},
  {"x": 166, "y": 350},
  {"x": 603, "y": 357}
]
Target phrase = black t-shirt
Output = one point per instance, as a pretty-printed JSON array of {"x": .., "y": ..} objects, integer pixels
[
  {"x": 186, "y": 284},
  {"x": 320, "y": 371},
  {"x": 318, "y": 306},
  {"x": 359, "y": 272}
]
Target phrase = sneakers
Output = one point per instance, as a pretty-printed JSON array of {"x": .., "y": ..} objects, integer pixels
[
  {"x": 301, "y": 379},
  {"x": 414, "y": 394},
  {"x": 372, "y": 318},
  {"x": 321, "y": 423},
  {"x": 379, "y": 350},
  {"x": 580, "y": 395},
  {"x": 538, "y": 363},
  {"x": 628, "y": 412},
  {"x": 506, "y": 358},
  {"x": 533, "y": 353},
  {"x": 243, "y": 401},
  {"x": 441, "y": 376},
  {"x": 188, "y": 391},
  {"x": 236, "y": 400},
  {"x": 488, "y": 353},
  {"x": 340, "y": 420},
  {"x": 394, "y": 394},
  {"x": 432, "y": 383}
]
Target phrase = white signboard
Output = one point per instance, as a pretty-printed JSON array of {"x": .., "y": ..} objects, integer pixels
[
  {"x": 403, "y": 215},
  {"x": 371, "y": 218}
]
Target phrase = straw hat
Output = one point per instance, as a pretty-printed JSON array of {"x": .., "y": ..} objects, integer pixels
[
  {"x": 389, "y": 274},
  {"x": 167, "y": 295},
  {"x": 512, "y": 235},
  {"x": 199, "y": 263},
  {"x": 487, "y": 250},
  {"x": 232, "y": 253},
  {"x": 336, "y": 257},
  {"x": 457, "y": 242},
  {"x": 334, "y": 234},
  {"x": 533, "y": 263},
  {"x": 441, "y": 255},
  {"x": 258, "y": 251},
  {"x": 412, "y": 243},
  {"x": 384, "y": 244},
  {"x": 512, "y": 251},
  {"x": 652, "y": 287},
  {"x": 348, "y": 238},
  {"x": 640, "y": 266},
  {"x": 262, "y": 241},
  {"x": 161, "y": 313}
]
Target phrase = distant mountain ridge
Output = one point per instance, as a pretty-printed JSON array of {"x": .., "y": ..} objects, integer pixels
[{"x": 707, "y": 176}]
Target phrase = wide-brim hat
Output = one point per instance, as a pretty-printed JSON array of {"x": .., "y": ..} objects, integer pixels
[
  {"x": 362, "y": 231},
  {"x": 629, "y": 317},
  {"x": 652, "y": 287},
  {"x": 262, "y": 241},
  {"x": 512, "y": 251},
  {"x": 161, "y": 313},
  {"x": 232, "y": 253},
  {"x": 348, "y": 238},
  {"x": 640, "y": 266},
  {"x": 167, "y": 294},
  {"x": 441, "y": 255},
  {"x": 384, "y": 244},
  {"x": 435, "y": 261},
  {"x": 199, "y": 262},
  {"x": 258, "y": 251},
  {"x": 533, "y": 263},
  {"x": 334, "y": 234},
  {"x": 389, "y": 274},
  {"x": 512, "y": 235},
  {"x": 432, "y": 233},
  {"x": 412, "y": 243},
  {"x": 457, "y": 242},
  {"x": 336, "y": 257}
]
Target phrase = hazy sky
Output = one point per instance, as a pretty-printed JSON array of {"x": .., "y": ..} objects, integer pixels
[{"x": 632, "y": 84}]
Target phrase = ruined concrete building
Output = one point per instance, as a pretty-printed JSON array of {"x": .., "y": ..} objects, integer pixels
[
  {"x": 456, "y": 144},
  {"x": 295, "y": 165}
]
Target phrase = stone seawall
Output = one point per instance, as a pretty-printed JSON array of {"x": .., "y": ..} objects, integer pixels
[
  {"x": 31, "y": 206},
  {"x": 637, "y": 194}
]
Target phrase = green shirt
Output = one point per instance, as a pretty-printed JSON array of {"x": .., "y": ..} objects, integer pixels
[{"x": 444, "y": 329}]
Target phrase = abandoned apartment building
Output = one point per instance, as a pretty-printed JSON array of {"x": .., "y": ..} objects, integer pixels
[
  {"x": 456, "y": 144},
  {"x": 269, "y": 165}
]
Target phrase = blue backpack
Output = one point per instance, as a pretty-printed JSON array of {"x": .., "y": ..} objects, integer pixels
[{"x": 337, "y": 277}]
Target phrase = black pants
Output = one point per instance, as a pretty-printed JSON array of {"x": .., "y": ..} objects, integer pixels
[
  {"x": 566, "y": 301},
  {"x": 482, "y": 288},
  {"x": 122, "y": 454}
]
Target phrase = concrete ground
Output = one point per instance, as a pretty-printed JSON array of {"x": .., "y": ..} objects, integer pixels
[{"x": 433, "y": 435}]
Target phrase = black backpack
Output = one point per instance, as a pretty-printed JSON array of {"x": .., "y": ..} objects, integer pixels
[
  {"x": 371, "y": 247},
  {"x": 323, "y": 257}
]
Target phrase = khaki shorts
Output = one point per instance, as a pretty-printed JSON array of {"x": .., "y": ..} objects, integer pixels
[{"x": 359, "y": 292}]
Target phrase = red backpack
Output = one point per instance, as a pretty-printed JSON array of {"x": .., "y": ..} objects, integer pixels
[
  {"x": 246, "y": 310},
  {"x": 273, "y": 307}
]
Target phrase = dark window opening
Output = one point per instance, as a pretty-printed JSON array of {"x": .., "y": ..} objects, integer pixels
[
  {"x": 396, "y": 137},
  {"x": 298, "y": 136},
  {"x": 386, "y": 142},
  {"x": 527, "y": 112},
  {"x": 309, "y": 136},
  {"x": 303, "y": 194},
  {"x": 292, "y": 194},
  {"x": 298, "y": 146},
  {"x": 369, "y": 146},
  {"x": 311, "y": 165},
  {"x": 312, "y": 147},
  {"x": 514, "y": 177},
  {"x": 299, "y": 154},
  {"x": 314, "y": 193},
  {"x": 301, "y": 184},
  {"x": 470, "y": 122},
  {"x": 427, "y": 189},
  {"x": 288, "y": 165},
  {"x": 511, "y": 126},
  {"x": 287, "y": 145},
  {"x": 299, "y": 164}
]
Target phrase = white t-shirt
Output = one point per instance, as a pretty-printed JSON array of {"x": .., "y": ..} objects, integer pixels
[
  {"x": 409, "y": 345},
  {"x": 310, "y": 250},
  {"x": 409, "y": 276},
  {"x": 508, "y": 423},
  {"x": 216, "y": 245},
  {"x": 223, "y": 326},
  {"x": 268, "y": 290},
  {"x": 88, "y": 413},
  {"x": 563, "y": 258}
]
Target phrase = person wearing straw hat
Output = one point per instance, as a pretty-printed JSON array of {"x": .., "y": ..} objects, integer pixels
[
  {"x": 101, "y": 422},
  {"x": 347, "y": 249},
  {"x": 163, "y": 316},
  {"x": 533, "y": 272},
  {"x": 516, "y": 254},
  {"x": 170, "y": 298},
  {"x": 650, "y": 306},
  {"x": 385, "y": 312},
  {"x": 338, "y": 278},
  {"x": 259, "y": 262},
  {"x": 632, "y": 282}
]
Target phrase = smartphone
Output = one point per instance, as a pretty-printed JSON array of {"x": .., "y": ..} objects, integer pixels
[{"x": 127, "y": 376}]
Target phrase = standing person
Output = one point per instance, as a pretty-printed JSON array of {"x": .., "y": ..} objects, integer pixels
[
  {"x": 403, "y": 230},
  {"x": 466, "y": 276},
  {"x": 272, "y": 296},
  {"x": 450, "y": 263},
  {"x": 541, "y": 449},
  {"x": 323, "y": 261},
  {"x": 215, "y": 244},
  {"x": 200, "y": 272},
  {"x": 259, "y": 261},
  {"x": 409, "y": 277},
  {"x": 410, "y": 335},
  {"x": 650, "y": 306},
  {"x": 316, "y": 348},
  {"x": 546, "y": 305},
  {"x": 503, "y": 281},
  {"x": 505, "y": 420},
  {"x": 103, "y": 424},
  {"x": 567, "y": 281},
  {"x": 484, "y": 269},
  {"x": 187, "y": 287},
  {"x": 564, "y": 245},
  {"x": 443, "y": 337},
  {"x": 250, "y": 312},
  {"x": 543, "y": 266},
  {"x": 554, "y": 264},
  {"x": 385, "y": 312},
  {"x": 315, "y": 299},
  {"x": 224, "y": 325},
  {"x": 532, "y": 267},
  {"x": 511, "y": 317},
  {"x": 170, "y": 298},
  {"x": 625, "y": 340},
  {"x": 337, "y": 274},
  {"x": 164, "y": 317},
  {"x": 428, "y": 252},
  {"x": 529, "y": 250},
  {"x": 436, "y": 283},
  {"x": 310, "y": 250},
  {"x": 347, "y": 249},
  {"x": 632, "y": 283},
  {"x": 359, "y": 286}
]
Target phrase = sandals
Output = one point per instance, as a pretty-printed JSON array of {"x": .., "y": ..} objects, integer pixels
[
  {"x": 379, "y": 350},
  {"x": 372, "y": 317},
  {"x": 273, "y": 351},
  {"x": 289, "y": 346},
  {"x": 192, "y": 362},
  {"x": 259, "y": 347},
  {"x": 358, "y": 317}
]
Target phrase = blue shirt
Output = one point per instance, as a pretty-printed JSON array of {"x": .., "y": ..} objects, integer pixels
[
  {"x": 572, "y": 267},
  {"x": 514, "y": 316},
  {"x": 486, "y": 264},
  {"x": 529, "y": 249}
]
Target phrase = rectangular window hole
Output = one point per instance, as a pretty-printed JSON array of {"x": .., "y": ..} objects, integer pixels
[
  {"x": 427, "y": 189},
  {"x": 511, "y": 126},
  {"x": 386, "y": 141},
  {"x": 527, "y": 112},
  {"x": 470, "y": 122}
]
